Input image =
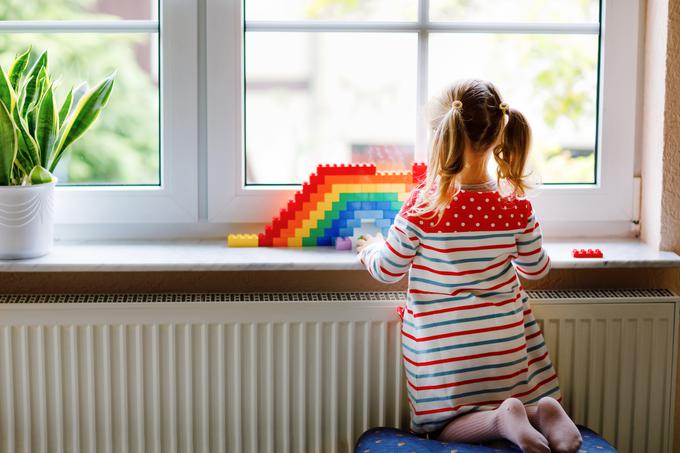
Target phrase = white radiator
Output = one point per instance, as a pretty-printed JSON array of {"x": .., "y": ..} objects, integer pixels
[{"x": 293, "y": 372}]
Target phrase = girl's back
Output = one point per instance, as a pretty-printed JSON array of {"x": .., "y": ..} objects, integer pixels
[{"x": 469, "y": 338}]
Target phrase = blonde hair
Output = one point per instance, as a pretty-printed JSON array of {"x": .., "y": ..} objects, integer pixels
[{"x": 471, "y": 112}]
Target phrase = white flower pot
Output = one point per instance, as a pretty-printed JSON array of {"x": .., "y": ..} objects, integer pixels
[{"x": 26, "y": 220}]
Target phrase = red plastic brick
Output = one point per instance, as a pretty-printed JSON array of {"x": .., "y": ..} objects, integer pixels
[
  {"x": 419, "y": 171},
  {"x": 589, "y": 253},
  {"x": 343, "y": 169},
  {"x": 264, "y": 241}
]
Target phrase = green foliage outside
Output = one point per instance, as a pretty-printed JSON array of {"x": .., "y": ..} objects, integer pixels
[{"x": 123, "y": 146}]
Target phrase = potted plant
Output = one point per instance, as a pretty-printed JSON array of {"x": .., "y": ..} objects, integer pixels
[{"x": 35, "y": 132}]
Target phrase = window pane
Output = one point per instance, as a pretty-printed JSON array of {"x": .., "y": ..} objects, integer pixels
[
  {"x": 327, "y": 97},
  {"x": 333, "y": 10},
  {"x": 515, "y": 10},
  {"x": 123, "y": 145},
  {"x": 78, "y": 9},
  {"x": 552, "y": 79}
]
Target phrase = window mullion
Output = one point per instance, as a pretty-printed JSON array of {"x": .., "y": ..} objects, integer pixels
[
  {"x": 79, "y": 26},
  {"x": 422, "y": 79}
]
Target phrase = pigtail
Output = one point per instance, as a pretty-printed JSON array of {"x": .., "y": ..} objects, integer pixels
[
  {"x": 511, "y": 154},
  {"x": 446, "y": 162}
]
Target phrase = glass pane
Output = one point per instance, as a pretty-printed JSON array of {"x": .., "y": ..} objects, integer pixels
[
  {"x": 515, "y": 10},
  {"x": 552, "y": 79},
  {"x": 123, "y": 145},
  {"x": 78, "y": 9},
  {"x": 327, "y": 97},
  {"x": 332, "y": 10}
]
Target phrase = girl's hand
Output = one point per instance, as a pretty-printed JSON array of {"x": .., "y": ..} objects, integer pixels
[{"x": 366, "y": 239}]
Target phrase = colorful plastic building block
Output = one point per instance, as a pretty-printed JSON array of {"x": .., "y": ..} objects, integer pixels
[
  {"x": 335, "y": 203},
  {"x": 343, "y": 243},
  {"x": 589, "y": 253},
  {"x": 242, "y": 240}
]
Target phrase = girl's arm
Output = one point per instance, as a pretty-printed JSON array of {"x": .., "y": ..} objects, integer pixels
[
  {"x": 388, "y": 260},
  {"x": 532, "y": 260}
]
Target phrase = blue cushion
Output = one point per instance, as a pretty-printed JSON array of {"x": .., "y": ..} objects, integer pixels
[{"x": 390, "y": 440}]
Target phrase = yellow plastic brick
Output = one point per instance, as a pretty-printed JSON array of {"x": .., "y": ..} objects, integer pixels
[{"x": 242, "y": 240}]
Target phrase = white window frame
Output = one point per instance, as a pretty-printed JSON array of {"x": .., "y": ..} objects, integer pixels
[
  {"x": 175, "y": 200},
  {"x": 604, "y": 209}
]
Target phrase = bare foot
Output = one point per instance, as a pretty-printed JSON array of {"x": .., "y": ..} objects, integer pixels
[
  {"x": 562, "y": 434},
  {"x": 514, "y": 425}
]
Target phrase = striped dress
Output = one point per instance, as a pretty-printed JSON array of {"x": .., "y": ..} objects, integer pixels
[{"x": 469, "y": 338}]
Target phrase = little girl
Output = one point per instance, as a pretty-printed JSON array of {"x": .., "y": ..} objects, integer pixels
[{"x": 477, "y": 367}]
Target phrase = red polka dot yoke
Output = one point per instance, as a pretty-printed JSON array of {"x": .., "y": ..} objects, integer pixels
[{"x": 472, "y": 210}]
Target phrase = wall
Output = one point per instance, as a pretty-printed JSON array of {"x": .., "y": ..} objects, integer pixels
[
  {"x": 670, "y": 204},
  {"x": 660, "y": 145}
]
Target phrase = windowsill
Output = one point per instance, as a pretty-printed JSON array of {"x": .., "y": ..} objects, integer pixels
[{"x": 213, "y": 255}]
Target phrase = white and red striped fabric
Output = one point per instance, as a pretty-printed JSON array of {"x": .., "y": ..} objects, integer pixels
[{"x": 469, "y": 337}]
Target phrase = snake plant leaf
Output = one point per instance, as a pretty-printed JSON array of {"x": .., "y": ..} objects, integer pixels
[
  {"x": 28, "y": 147},
  {"x": 47, "y": 123},
  {"x": 32, "y": 111},
  {"x": 88, "y": 109},
  {"x": 65, "y": 107},
  {"x": 8, "y": 145},
  {"x": 40, "y": 175},
  {"x": 19, "y": 172},
  {"x": 7, "y": 95},
  {"x": 78, "y": 94},
  {"x": 22, "y": 94},
  {"x": 31, "y": 94},
  {"x": 18, "y": 68},
  {"x": 22, "y": 164}
]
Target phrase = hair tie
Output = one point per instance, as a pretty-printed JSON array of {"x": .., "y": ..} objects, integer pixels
[
  {"x": 457, "y": 105},
  {"x": 504, "y": 107}
]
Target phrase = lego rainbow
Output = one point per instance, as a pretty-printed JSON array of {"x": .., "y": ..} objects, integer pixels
[{"x": 336, "y": 201}]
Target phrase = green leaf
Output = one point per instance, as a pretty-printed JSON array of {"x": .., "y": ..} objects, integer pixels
[
  {"x": 32, "y": 85},
  {"x": 85, "y": 114},
  {"x": 47, "y": 123},
  {"x": 40, "y": 175},
  {"x": 19, "y": 173},
  {"x": 65, "y": 107},
  {"x": 18, "y": 68},
  {"x": 78, "y": 94},
  {"x": 28, "y": 148},
  {"x": 21, "y": 165},
  {"x": 8, "y": 145},
  {"x": 41, "y": 89},
  {"x": 31, "y": 121},
  {"x": 7, "y": 95}
]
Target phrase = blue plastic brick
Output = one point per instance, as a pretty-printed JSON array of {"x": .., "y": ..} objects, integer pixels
[
  {"x": 333, "y": 231},
  {"x": 367, "y": 205},
  {"x": 354, "y": 223},
  {"x": 346, "y": 232},
  {"x": 383, "y": 205},
  {"x": 323, "y": 241},
  {"x": 366, "y": 214},
  {"x": 382, "y": 223},
  {"x": 354, "y": 205},
  {"x": 347, "y": 214}
]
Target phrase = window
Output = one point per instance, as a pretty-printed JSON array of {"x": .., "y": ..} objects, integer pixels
[
  {"x": 109, "y": 36},
  {"x": 122, "y": 169},
  {"x": 331, "y": 93},
  {"x": 311, "y": 81}
]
